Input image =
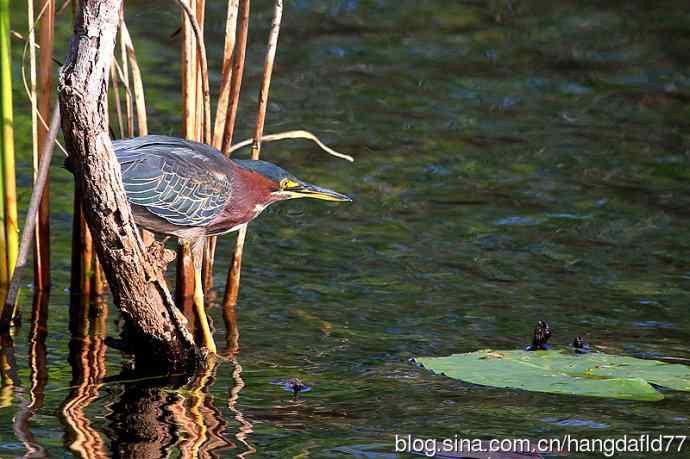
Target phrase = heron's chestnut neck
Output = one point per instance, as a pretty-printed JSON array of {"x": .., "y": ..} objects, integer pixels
[{"x": 251, "y": 193}]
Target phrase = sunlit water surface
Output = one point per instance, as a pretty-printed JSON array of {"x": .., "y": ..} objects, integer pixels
[{"x": 516, "y": 161}]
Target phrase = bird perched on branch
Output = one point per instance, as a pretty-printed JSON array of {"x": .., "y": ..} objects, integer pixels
[{"x": 190, "y": 190}]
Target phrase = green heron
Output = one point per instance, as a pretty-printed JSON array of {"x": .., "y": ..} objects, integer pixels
[{"x": 190, "y": 190}]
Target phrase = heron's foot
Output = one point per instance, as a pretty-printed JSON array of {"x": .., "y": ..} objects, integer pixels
[
  {"x": 208, "y": 342},
  {"x": 207, "y": 335}
]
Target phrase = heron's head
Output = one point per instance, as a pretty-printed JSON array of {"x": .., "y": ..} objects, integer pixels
[{"x": 284, "y": 185}]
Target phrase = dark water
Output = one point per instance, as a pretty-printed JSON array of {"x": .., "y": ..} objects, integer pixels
[{"x": 516, "y": 161}]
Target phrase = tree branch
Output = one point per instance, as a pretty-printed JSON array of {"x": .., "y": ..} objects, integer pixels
[{"x": 139, "y": 291}]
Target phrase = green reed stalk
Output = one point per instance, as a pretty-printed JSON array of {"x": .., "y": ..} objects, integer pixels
[{"x": 8, "y": 164}]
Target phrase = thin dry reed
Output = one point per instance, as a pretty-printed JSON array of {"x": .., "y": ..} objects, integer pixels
[
  {"x": 233, "y": 284},
  {"x": 194, "y": 116},
  {"x": 188, "y": 76},
  {"x": 137, "y": 82},
  {"x": 221, "y": 120},
  {"x": 116, "y": 97},
  {"x": 225, "y": 86},
  {"x": 32, "y": 88},
  {"x": 34, "y": 205},
  {"x": 87, "y": 277},
  {"x": 124, "y": 76},
  {"x": 46, "y": 37},
  {"x": 190, "y": 70},
  {"x": 201, "y": 79},
  {"x": 81, "y": 275},
  {"x": 237, "y": 73},
  {"x": 139, "y": 100}
]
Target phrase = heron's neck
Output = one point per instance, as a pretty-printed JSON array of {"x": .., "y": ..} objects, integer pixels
[
  {"x": 251, "y": 188},
  {"x": 250, "y": 194}
]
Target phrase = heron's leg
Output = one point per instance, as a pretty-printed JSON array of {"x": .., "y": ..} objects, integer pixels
[{"x": 197, "y": 255}]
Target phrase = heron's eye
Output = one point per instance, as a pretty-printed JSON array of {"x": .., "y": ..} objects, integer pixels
[{"x": 286, "y": 184}]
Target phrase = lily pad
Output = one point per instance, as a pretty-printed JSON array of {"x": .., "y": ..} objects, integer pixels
[{"x": 561, "y": 372}]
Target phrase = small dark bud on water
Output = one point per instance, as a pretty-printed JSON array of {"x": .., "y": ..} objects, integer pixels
[
  {"x": 542, "y": 333},
  {"x": 580, "y": 346},
  {"x": 296, "y": 385}
]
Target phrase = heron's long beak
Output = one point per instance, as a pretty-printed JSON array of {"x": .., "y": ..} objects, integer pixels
[{"x": 312, "y": 191}]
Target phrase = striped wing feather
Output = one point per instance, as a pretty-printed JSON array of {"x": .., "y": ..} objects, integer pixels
[{"x": 176, "y": 180}]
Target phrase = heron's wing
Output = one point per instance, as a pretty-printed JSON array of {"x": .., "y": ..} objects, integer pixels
[{"x": 172, "y": 179}]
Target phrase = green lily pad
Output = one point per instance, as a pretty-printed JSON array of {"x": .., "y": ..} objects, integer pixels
[{"x": 562, "y": 372}]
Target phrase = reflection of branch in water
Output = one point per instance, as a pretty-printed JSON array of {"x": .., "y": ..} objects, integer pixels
[
  {"x": 246, "y": 426},
  {"x": 38, "y": 375},
  {"x": 202, "y": 423},
  {"x": 8, "y": 370},
  {"x": 87, "y": 357},
  {"x": 212, "y": 417},
  {"x": 184, "y": 423},
  {"x": 232, "y": 348},
  {"x": 197, "y": 427},
  {"x": 140, "y": 419}
]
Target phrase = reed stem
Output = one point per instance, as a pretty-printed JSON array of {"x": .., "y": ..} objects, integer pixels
[
  {"x": 237, "y": 73},
  {"x": 192, "y": 119},
  {"x": 45, "y": 92},
  {"x": 137, "y": 82},
  {"x": 140, "y": 104},
  {"x": 116, "y": 97},
  {"x": 201, "y": 48},
  {"x": 32, "y": 93},
  {"x": 225, "y": 86},
  {"x": 220, "y": 120},
  {"x": 31, "y": 220},
  {"x": 8, "y": 163},
  {"x": 125, "y": 76},
  {"x": 232, "y": 289}
]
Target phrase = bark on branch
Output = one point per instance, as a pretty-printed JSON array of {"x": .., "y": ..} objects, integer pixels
[{"x": 138, "y": 286}]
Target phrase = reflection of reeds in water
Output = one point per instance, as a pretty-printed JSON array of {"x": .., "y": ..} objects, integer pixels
[
  {"x": 8, "y": 370},
  {"x": 245, "y": 426},
  {"x": 167, "y": 417},
  {"x": 151, "y": 417},
  {"x": 87, "y": 357},
  {"x": 38, "y": 375},
  {"x": 201, "y": 423}
]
